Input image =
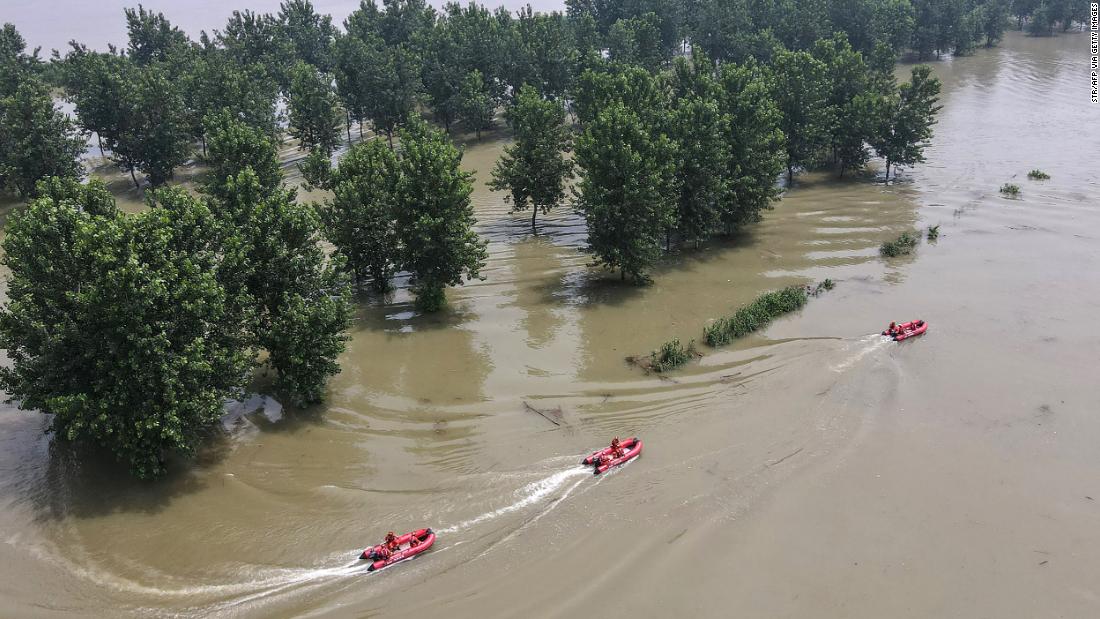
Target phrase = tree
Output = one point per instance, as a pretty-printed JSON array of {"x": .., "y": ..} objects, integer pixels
[
  {"x": 298, "y": 297},
  {"x": 627, "y": 190},
  {"x": 259, "y": 39},
  {"x": 638, "y": 41},
  {"x": 235, "y": 146},
  {"x": 849, "y": 101},
  {"x": 394, "y": 86},
  {"x": 800, "y": 89},
  {"x": 95, "y": 85},
  {"x": 435, "y": 220},
  {"x": 314, "y": 119},
  {"x": 152, "y": 37},
  {"x": 311, "y": 35},
  {"x": 533, "y": 170},
  {"x": 152, "y": 133},
  {"x": 117, "y": 325},
  {"x": 15, "y": 63},
  {"x": 351, "y": 62},
  {"x": 905, "y": 119},
  {"x": 214, "y": 83},
  {"x": 756, "y": 144},
  {"x": 360, "y": 219},
  {"x": 699, "y": 127},
  {"x": 36, "y": 139},
  {"x": 476, "y": 106}
]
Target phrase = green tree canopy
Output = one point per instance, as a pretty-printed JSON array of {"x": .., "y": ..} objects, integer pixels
[
  {"x": 117, "y": 325},
  {"x": 533, "y": 170},
  {"x": 435, "y": 219},
  {"x": 627, "y": 190},
  {"x": 905, "y": 119},
  {"x": 801, "y": 89},
  {"x": 314, "y": 115},
  {"x": 36, "y": 139},
  {"x": 360, "y": 218}
]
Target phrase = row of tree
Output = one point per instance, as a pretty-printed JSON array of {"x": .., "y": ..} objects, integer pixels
[
  {"x": 148, "y": 103},
  {"x": 678, "y": 156}
]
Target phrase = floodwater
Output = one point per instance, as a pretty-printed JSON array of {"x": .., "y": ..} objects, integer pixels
[{"x": 813, "y": 470}]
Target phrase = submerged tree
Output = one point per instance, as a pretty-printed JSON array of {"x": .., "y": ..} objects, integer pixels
[
  {"x": 360, "y": 219},
  {"x": 533, "y": 170},
  {"x": 435, "y": 220},
  {"x": 801, "y": 90},
  {"x": 476, "y": 107},
  {"x": 905, "y": 118},
  {"x": 297, "y": 296},
  {"x": 152, "y": 134},
  {"x": 36, "y": 139},
  {"x": 627, "y": 190},
  {"x": 235, "y": 146},
  {"x": 117, "y": 326},
  {"x": 755, "y": 143}
]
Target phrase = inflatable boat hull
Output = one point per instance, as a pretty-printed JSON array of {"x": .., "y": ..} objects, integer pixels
[
  {"x": 632, "y": 446},
  {"x": 404, "y": 551},
  {"x": 908, "y": 330}
]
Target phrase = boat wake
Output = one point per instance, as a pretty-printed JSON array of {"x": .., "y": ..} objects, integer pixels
[{"x": 857, "y": 350}]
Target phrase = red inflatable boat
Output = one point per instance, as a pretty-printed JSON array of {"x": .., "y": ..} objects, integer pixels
[
  {"x": 908, "y": 330},
  {"x": 632, "y": 447},
  {"x": 406, "y": 549}
]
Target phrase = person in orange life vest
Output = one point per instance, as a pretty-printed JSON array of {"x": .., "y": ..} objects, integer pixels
[{"x": 390, "y": 542}]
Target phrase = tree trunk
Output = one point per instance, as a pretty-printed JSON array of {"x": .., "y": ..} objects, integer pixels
[
  {"x": 99, "y": 139},
  {"x": 534, "y": 213},
  {"x": 360, "y": 129},
  {"x": 389, "y": 138},
  {"x": 134, "y": 177},
  {"x": 347, "y": 119},
  {"x": 203, "y": 139}
]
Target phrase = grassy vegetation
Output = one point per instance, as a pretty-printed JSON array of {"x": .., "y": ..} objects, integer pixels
[
  {"x": 933, "y": 233},
  {"x": 1010, "y": 190},
  {"x": 901, "y": 246},
  {"x": 1038, "y": 175},
  {"x": 671, "y": 355},
  {"x": 755, "y": 315}
]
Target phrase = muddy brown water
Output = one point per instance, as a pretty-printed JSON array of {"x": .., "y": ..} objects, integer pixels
[{"x": 813, "y": 470}]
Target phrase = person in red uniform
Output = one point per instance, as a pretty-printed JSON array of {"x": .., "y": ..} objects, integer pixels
[
  {"x": 390, "y": 543},
  {"x": 616, "y": 452},
  {"x": 893, "y": 329}
]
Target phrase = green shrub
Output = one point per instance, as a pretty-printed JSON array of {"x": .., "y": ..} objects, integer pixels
[
  {"x": 903, "y": 245},
  {"x": 671, "y": 355},
  {"x": 933, "y": 233},
  {"x": 1038, "y": 175},
  {"x": 1010, "y": 190},
  {"x": 755, "y": 315}
]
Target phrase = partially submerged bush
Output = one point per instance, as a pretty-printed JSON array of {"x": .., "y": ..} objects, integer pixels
[
  {"x": 826, "y": 284},
  {"x": 903, "y": 245},
  {"x": 671, "y": 355},
  {"x": 1038, "y": 175},
  {"x": 933, "y": 233},
  {"x": 1010, "y": 190},
  {"x": 755, "y": 315}
]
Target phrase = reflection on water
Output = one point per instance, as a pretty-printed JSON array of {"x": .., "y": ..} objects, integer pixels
[{"x": 428, "y": 424}]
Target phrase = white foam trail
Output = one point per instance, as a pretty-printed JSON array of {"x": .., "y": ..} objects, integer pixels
[
  {"x": 528, "y": 495},
  {"x": 870, "y": 344}
]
